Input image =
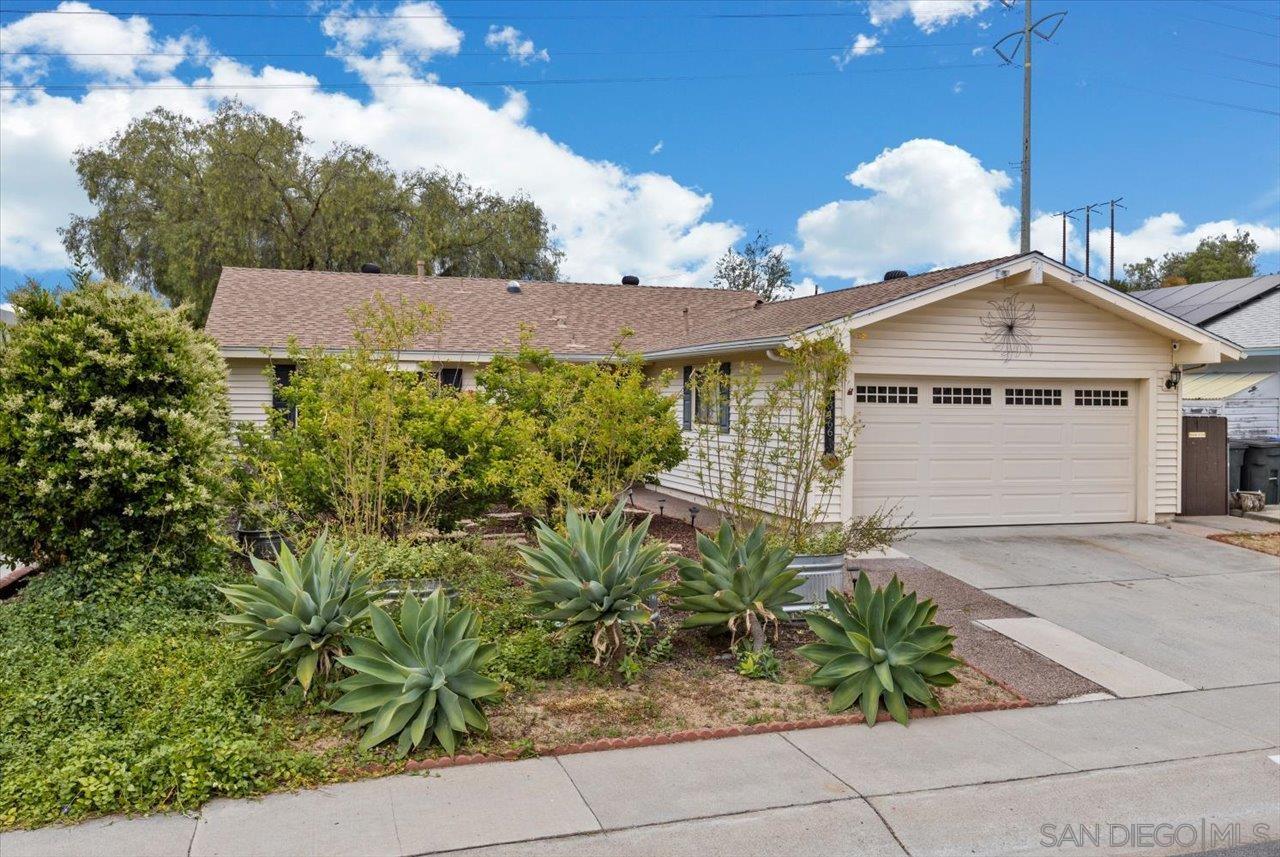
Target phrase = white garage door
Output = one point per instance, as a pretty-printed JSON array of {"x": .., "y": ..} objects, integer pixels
[{"x": 978, "y": 452}]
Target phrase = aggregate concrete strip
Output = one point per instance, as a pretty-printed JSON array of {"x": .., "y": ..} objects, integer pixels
[
  {"x": 486, "y": 804},
  {"x": 1122, "y": 676},
  {"x": 1233, "y": 794},
  {"x": 166, "y": 835},
  {"x": 651, "y": 785},
  {"x": 1229, "y": 643},
  {"x": 931, "y": 753},
  {"x": 1122, "y": 732},
  {"x": 846, "y": 826},
  {"x": 350, "y": 818},
  {"x": 1252, "y": 709}
]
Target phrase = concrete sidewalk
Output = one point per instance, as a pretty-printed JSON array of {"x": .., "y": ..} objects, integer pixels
[{"x": 994, "y": 783}]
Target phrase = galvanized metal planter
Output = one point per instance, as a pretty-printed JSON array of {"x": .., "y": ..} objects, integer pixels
[{"x": 820, "y": 572}]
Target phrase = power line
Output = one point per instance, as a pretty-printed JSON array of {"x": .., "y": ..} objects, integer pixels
[
  {"x": 412, "y": 84},
  {"x": 489, "y": 53},
  {"x": 376, "y": 15},
  {"x": 1253, "y": 60},
  {"x": 1237, "y": 27},
  {"x": 1244, "y": 11}
]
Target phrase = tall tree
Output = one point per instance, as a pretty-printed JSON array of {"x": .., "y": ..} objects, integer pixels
[
  {"x": 756, "y": 267},
  {"x": 177, "y": 199},
  {"x": 1221, "y": 258}
]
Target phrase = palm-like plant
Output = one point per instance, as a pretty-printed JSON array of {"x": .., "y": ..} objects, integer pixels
[
  {"x": 880, "y": 642},
  {"x": 599, "y": 576},
  {"x": 738, "y": 582},
  {"x": 299, "y": 610},
  {"x": 419, "y": 680}
]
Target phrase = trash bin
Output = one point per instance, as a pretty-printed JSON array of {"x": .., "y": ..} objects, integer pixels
[
  {"x": 1235, "y": 463},
  {"x": 1261, "y": 470}
]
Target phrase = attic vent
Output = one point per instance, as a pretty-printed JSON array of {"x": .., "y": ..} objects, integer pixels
[
  {"x": 630, "y": 280},
  {"x": 371, "y": 268},
  {"x": 895, "y": 275},
  {"x": 513, "y": 287}
]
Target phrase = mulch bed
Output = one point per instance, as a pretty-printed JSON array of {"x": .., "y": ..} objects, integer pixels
[{"x": 1268, "y": 543}]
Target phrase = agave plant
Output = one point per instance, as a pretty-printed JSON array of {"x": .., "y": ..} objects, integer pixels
[
  {"x": 739, "y": 582},
  {"x": 299, "y": 610},
  {"x": 418, "y": 680},
  {"x": 880, "y": 642},
  {"x": 599, "y": 576}
]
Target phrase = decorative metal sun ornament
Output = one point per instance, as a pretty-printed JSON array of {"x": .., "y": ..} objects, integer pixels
[{"x": 1009, "y": 326}]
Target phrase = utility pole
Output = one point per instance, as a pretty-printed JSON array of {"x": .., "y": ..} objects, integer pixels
[
  {"x": 1023, "y": 41},
  {"x": 1088, "y": 210},
  {"x": 1065, "y": 215},
  {"x": 1111, "y": 257}
]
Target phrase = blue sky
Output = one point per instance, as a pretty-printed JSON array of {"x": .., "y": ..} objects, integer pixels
[{"x": 712, "y": 121}]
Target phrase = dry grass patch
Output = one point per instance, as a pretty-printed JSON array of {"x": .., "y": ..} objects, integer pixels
[{"x": 1268, "y": 543}]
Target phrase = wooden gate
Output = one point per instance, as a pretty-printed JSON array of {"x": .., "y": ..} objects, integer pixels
[{"x": 1204, "y": 465}]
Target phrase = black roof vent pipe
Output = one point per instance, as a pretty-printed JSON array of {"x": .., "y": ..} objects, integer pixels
[
  {"x": 895, "y": 275},
  {"x": 513, "y": 287},
  {"x": 630, "y": 280},
  {"x": 371, "y": 268}
]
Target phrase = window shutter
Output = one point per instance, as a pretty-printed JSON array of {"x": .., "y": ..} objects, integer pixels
[
  {"x": 829, "y": 425},
  {"x": 725, "y": 393},
  {"x": 688, "y": 398}
]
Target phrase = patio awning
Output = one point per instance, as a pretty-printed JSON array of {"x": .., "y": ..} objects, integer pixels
[{"x": 1220, "y": 385}]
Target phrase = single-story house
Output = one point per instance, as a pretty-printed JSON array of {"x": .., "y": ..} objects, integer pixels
[
  {"x": 1247, "y": 312},
  {"x": 1008, "y": 391}
]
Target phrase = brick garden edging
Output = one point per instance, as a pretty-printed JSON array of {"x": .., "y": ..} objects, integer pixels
[{"x": 712, "y": 733}]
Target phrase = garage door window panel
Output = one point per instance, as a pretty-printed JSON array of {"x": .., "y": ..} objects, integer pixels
[
  {"x": 1102, "y": 398},
  {"x": 872, "y": 394},
  {"x": 1032, "y": 396},
  {"x": 962, "y": 395}
]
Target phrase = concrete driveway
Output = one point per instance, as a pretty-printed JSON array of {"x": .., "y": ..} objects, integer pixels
[{"x": 1202, "y": 612}]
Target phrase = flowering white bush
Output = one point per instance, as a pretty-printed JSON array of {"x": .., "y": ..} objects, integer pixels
[{"x": 113, "y": 433}]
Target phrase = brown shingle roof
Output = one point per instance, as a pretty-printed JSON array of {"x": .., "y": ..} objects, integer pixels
[{"x": 255, "y": 308}]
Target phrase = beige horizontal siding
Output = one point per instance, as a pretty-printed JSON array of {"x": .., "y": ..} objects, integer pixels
[{"x": 249, "y": 390}]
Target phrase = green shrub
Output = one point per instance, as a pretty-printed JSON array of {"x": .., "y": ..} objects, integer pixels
[
  {"x": 419, "y": 678},
  {"x": 125, "y": 698},
  {"x": 757, "y": 664},
  {"x": 113, "y": 433},
  {"x": 377, "y": 449},
  {"x": 600, "y": 576},
  {"x": 597, "y": 427},
  {"x": 880, "y": 642},
  {"x": 737, "y": 580},
  {"x": 297, "y": 613}
]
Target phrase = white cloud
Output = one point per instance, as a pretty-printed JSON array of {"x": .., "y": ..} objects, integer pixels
[
  {"x": 928, "y": 15},
  {"x": 957, "y": 87},
  {"x": 932, "y": 204},
  {"x": 863, "y": 45},
  {"x": 609, "y": 221},
  {"x": 105, "y": 46},
  {"x": 519, "y": 48},
  {"x": 657, "y": 147},
  {"x": 1169, "y": 233},
  {"x": 977, "y": 52},
  {"x": 414, "y": 33}
]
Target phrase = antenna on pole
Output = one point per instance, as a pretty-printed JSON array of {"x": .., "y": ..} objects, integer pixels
[
  {"x": 1088, "y": 210},
  {"x": 1021, "y": 39},
  {"x": 1066, "y": 215},
  {"x": 1111, "y": 257}
]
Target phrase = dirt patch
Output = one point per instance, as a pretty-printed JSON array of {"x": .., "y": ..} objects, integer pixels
[
  {"x": 1268, "y": 543},
  {"x": 675, "y": 532},
  {"x": 697, "y": 688}
]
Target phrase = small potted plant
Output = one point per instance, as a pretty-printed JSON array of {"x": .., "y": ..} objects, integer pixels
[
  {"x": 260, "y": 516},
  {"x": 821, "y": 552}
]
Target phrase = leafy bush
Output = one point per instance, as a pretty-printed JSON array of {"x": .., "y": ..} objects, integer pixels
[
  {"x": 297, "y": 613},
  {"x": 737, "y": 581},
  {"x": 113, "y": 433},
  {"x": 757, "y": 664},
  {"x": 117, "y": 696},
  {"x": 378, "y": 449},
  {"x": 597, "y": 427},
  {"x": 419, "y": 679},
  {"x": 880, "y": 642},
  {"x": 599, "y": 577}
]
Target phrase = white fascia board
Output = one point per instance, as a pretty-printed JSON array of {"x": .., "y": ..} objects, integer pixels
[{"x": 713, "y": 348}]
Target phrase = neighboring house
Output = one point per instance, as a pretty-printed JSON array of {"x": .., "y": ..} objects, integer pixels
[
  {"x": 1009, "y": 391},
  {"x": 1245, "y": 311}
]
